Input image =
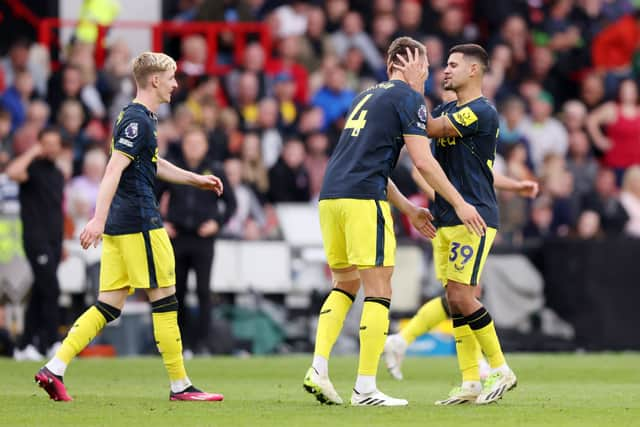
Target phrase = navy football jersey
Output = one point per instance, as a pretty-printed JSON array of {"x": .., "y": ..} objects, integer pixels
[
  {"x": 134, "y": 207},
  {"x": 468, "y": 158},
  {"x": 371, "y": 140}
]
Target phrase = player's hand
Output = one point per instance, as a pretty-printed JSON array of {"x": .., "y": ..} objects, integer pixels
[
  {"x": 210, "y": 183},
  {"x": 471, "y": 219},
  {"x": 421, "y": 219},
  {"x": 528, "y": 189},
  {"x": 415, "y": 69},
  {"x": 170, "y": 229},
  {"x": 208, "y": 228},
  {"x": 92, "y": 233}
]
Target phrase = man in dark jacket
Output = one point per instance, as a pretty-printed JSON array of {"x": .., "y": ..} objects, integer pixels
[
  {"x": 193, "y": 221},
  {"x": 41, "y": 187}
]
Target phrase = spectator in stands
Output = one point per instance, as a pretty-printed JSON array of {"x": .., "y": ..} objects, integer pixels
[
  {"x": 67, "y": 85},
  {"x": 193, "y": 221},
  {"x": 253, "y": 61},
  {"x": 581, "y": 163},
  {"x": 70, "y": 119},
  {"x": 6, "y": 144},
  {"x": 311, "y": 120},
  {"x": 630, "y": 200},
  {"x": 540, "y": 222},
  {"x": 514, "y": 210},
  {"x": 254, "y": 172},
  {"x": 544, "y": 132},
  {"x": 15, "y": 62},
  {"x": 410, "y": 20},
  {"x": 249, "y": 221},
  {"x": 194, "y": 56},
  {"x": 512, "y": 116},
  {"x": 288, "y": 178},
  {"x": 41, "y": 189},
  {"x": 270, "y": 136},
  {"x": 230, "y": 124},
  {"x": 38, "y": 113},
  {"x": 316, "y": 161},
  {"x": 515, "y": 34},
  {"x": 383, "y": 28},
  {"x": 605, "y": 202},
  {"x": 588, "y": 226},
  {"x": 16, "y": 99},
  {"x": 288, "y": 49},
  {"x": 574, "y": 115},
  {"x": 217, "y": 138},
  {"x": 336, "y": 10},
  {"x": 352, "y": 35},
  {"x": 621, "y": 139},
  {"x": 315, "y": 42},
  {"x": 592, "y": 90},
  {"x": 451, "y": 28},
  {"x": 81, "y": 193},
  {"x": 246, "y": 101},
  {"x": 334, "y": 98},
  {"x": 284, "y": 90},
  {"x": 118, "y": 87}
]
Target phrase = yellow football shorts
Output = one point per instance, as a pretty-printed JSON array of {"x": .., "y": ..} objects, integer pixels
[
  {"x": 138, "y": 260},
  {"x": 357, "y": 232},
  {"x": 460, "y": 255}
]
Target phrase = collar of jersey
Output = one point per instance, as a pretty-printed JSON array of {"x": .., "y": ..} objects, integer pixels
[
  {"x": 470, "y": 101},
  {"x": 146, "y": 110}
]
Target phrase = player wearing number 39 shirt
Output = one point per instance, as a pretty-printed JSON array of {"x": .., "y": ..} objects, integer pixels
[{"x": 355, "y": 218}]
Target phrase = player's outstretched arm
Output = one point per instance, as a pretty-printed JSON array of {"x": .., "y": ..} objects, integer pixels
[
  {"x": 92, "y": 232},
  {"x": 524, "y": 188},
  {"x": 420, "y": 217},
  {"x": 431, "y": 171},
  {"x": 172, "y": 173}
]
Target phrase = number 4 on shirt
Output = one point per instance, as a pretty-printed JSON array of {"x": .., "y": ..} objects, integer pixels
[{"x": 360, "y": 122}]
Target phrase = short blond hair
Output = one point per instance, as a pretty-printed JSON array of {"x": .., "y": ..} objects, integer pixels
[{"x": 148, "y": 63}]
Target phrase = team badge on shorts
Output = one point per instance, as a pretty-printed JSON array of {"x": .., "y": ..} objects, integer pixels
[{"x": 131, "y": 131}]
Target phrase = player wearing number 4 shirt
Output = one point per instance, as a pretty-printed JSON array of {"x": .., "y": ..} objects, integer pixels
[{"x": 355, "y": 219}]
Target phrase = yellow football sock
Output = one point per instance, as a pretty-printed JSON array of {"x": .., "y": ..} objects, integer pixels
[
  {"x": 85, "y": 329},
  {"x": 332, "y": 315},
  {"x": 374, "y": 326},
  {"x": 167, "y": 334},
  {"x": 429, "y": 316},
  {"x": 466, "y": 349},
  {"x": 485, "y": 332}
]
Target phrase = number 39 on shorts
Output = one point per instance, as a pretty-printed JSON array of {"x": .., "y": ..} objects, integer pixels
[{"x": 466, "y": 252}]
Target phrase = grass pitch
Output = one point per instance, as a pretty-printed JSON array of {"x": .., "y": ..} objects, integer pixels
[{"x": 554, "y": 390}]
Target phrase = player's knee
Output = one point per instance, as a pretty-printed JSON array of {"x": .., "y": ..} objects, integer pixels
[{"x": 109, "y": 312}]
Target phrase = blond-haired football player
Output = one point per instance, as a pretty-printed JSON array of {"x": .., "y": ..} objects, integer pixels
[{"x": 136, "y": 251}]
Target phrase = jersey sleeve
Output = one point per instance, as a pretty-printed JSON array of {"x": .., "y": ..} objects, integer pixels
[
  {"x": 413, "y": 115},
  {"x": 470, "y": 119},
  {"x": 130, "y": 136}
]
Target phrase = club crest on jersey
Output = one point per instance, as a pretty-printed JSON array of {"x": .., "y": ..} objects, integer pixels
[
  {"x": 422, "y": 113},
  {"x": 131, "y": 131},
  {"x": 465, "y": 117}
]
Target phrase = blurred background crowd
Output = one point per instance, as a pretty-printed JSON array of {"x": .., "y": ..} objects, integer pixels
[{"x": 564, "y": 76}]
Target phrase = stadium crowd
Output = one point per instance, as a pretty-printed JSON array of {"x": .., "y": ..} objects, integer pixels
[{"x": 564, "y": 76}]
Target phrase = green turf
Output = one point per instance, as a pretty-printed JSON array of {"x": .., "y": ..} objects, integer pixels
[{"x": 554, "y": 390}]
